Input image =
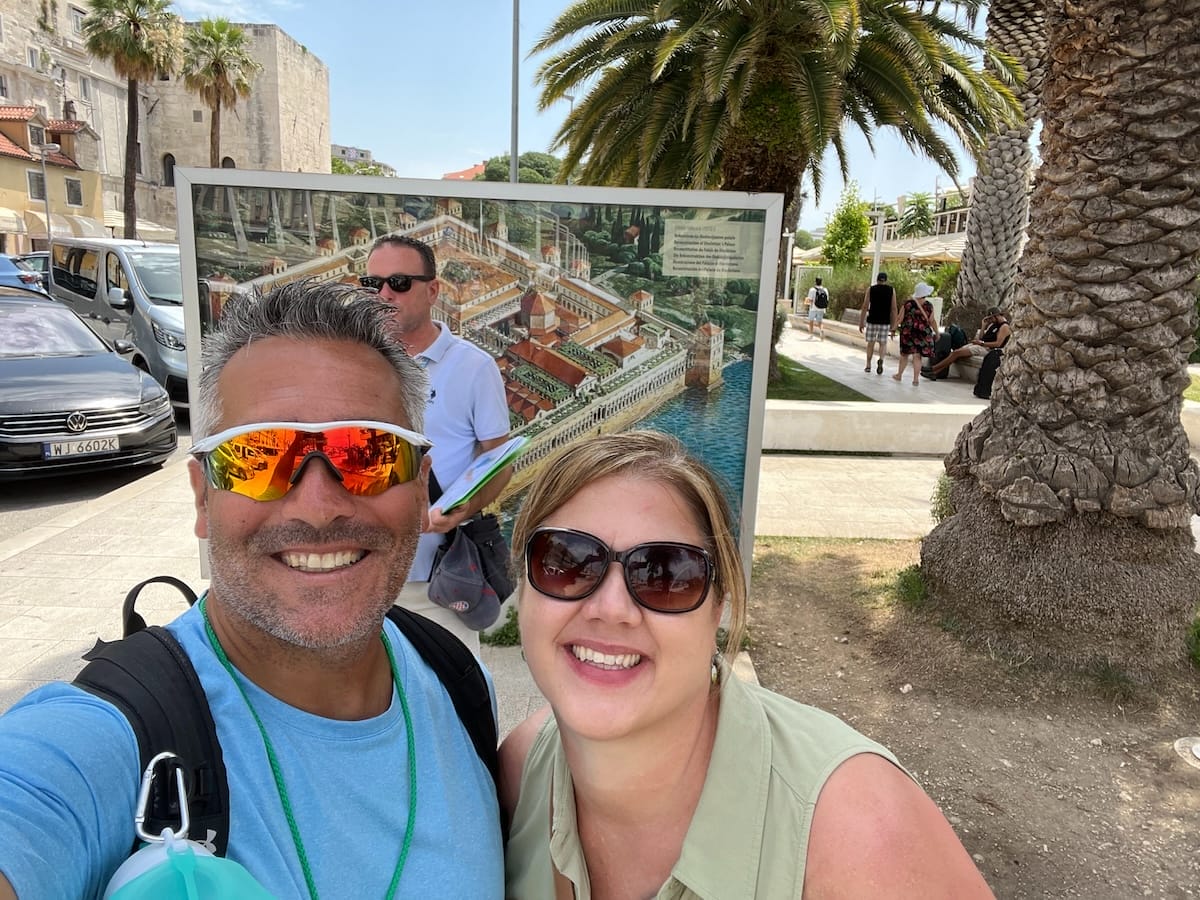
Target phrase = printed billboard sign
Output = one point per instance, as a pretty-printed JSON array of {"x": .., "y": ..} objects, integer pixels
[{"x": 604, "y": 308}]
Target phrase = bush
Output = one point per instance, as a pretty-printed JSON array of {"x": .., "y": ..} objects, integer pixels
[
  {"x": 848, "y": 285},
  {"x": 940, "y": 504},
  {"x": 910, "y": 586},
  {"x": 506, "y": 634}
]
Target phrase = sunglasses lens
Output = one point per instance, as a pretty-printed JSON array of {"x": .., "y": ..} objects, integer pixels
[
  {"x": 370, "y": 282},
  {"x": 565, "y": 565},
  {"x": 663, "y": 577},
  {"x": 260, "y": 464},
  {"x": 667, "y": 577},
  {"x": 400, "y": 283}
]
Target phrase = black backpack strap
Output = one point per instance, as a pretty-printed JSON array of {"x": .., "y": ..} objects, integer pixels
[
  {"x": 149, "y": 678},
  {"x": 131, "y": 621},
  {"x": 462, "y": 677}
]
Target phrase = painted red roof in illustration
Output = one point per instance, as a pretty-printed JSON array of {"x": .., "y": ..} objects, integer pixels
[
  {"x": 549, "y": 362},
  {"x": 465, "y": 174},
  {"x": 710, "y": 328},
  {"x": 622, "y": 348},
  {"x": 17, "y": 113},
  {"x": 641, "y": 295}
]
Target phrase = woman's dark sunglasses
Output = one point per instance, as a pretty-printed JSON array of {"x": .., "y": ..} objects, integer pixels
[
  {"x": 662, "y": 576},
  {"x": 398, "y": 283}
]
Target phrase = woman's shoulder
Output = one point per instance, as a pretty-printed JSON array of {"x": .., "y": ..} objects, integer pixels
[{"x": 514, "y": 751}]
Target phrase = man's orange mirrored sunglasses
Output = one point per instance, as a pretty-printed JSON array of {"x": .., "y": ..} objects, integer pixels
[{"x": 262, "y": 461}]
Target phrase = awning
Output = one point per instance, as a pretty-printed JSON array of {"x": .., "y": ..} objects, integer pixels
[
  {"x": 35, "y": 225},
  {"x": 146, "y": 230},
  {"x": 11, "y": 221},
  {"x": 86, "y": 226}
]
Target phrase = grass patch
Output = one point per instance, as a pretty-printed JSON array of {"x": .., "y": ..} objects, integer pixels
[
  {"x": 799, "y": 383},
  {"x": 1193, "y": 642},
  {"x": 1191, "y": 392},
  {"x": 910, "y": 587},
  {"x": 940, "y": 504},
  {"x": 506, "y": 634}
]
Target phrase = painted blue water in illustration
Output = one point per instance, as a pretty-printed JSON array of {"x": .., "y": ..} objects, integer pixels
[{"x": 713, "y": 426}]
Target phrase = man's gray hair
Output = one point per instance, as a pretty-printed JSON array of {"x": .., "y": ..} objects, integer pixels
[{"x": 304, "y": 310}]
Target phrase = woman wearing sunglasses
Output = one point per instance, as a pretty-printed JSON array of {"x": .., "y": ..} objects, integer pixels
[{"x": 655, "y": 772}]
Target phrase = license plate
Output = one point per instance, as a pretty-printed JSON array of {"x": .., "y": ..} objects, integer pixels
[{"x": 59, "y": 449}]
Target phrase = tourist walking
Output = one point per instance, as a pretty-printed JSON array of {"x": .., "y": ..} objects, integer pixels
[
  {"x": 918, "y": 331},
  {"x": 877, "y": 319}
]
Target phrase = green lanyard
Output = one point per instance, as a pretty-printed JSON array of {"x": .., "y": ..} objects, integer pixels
[{"x": 281, "y": 788}]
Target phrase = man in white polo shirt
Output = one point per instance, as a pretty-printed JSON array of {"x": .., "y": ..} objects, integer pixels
[{"x": 467, "y": 413}]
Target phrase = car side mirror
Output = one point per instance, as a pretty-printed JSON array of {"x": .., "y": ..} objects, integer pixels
[
  {"x": 118, "y": 299},
  {"x": 123, "y": 347}
]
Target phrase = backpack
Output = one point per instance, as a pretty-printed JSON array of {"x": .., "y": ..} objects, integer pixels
[
  {"x": 150, "y": 679},
  {"x": 958, "y": 337},
  {"x": 987, "y": 374},
  {"x": 821, "y": 297}
]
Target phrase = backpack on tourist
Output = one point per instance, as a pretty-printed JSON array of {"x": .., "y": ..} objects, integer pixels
[
  {"x": 149, "y": 678},
  {"x": 820, "y": 297}
]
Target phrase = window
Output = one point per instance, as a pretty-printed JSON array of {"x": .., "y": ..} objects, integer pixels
[
  {"x": 138, "y": 159},
  {"x": 37, "y": 186},
  {"x": 35, "y": 59},
  {"x": 168, "y": 170},
  {"x": 74, "y": 192},
  {"x": 115, "y": 274},
  {"x": 4, "y": 86},
  {"x": 227, "y": 163},
  {"x": 85, "y": 89},
  {"x": 37, "y": 135},
  {"x": 1, "y": 28},
  {"x": 77, "y": 17},
  {"x": 197, "y": 115}
]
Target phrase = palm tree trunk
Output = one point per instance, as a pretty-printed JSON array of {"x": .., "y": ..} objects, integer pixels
[
  {"x": 1000, "y": 196},
  {"x": 131, "y": 159},
  {"x": 1074, "y": 491},
  {"x": 214, "y": 137}
]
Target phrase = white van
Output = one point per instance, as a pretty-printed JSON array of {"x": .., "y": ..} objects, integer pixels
[{"x": 129, "y": 290}]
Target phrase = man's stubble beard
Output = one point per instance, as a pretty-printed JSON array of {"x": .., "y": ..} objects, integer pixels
[{"x": 249, "y": 598}]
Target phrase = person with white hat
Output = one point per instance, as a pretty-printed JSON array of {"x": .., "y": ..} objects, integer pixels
[{"x": 918, "y": 331}]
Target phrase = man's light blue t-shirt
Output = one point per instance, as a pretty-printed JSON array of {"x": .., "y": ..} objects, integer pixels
[{"x": 69, "y": 776}]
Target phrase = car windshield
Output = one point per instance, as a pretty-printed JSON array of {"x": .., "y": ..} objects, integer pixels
[
  {"x": 45, "y": 330},
  {"x": 159, "y": 275}
]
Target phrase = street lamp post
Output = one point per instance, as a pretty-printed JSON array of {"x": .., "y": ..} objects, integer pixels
[{"x": 46, "y": 150}]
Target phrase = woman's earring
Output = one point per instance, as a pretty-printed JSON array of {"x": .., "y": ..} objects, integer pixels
[{"x": 715, "y": 672}]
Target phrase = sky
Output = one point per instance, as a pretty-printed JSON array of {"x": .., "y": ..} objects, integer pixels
[{"x": 426, "y": 86}]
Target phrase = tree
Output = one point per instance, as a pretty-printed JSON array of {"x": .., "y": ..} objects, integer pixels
[
  {"x": 747, "y": 95},
  {"x": 142, "y": 39},
  {"x": 848, "y": 230},
  {"x": 917, "y": 219},
  {"x": 1073, "y": 492},
  {"x": 532, "y": 168},
  {"x": 1000, "y": 195},
  {"x": 339, "y": 166},
  {"x": 218, "y": 66}
]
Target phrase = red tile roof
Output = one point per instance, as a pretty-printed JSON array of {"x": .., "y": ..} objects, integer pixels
[
  {"x": 465, "y": 174},
  {"x": 17, "y": 113},
  {"x": 65, "y": 126},
  {"x": 549, "y": 362},
  {"x": 8, "y": 148}
]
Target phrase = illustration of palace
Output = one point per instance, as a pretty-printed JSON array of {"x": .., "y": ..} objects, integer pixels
[{"x": 576, "y": 359}]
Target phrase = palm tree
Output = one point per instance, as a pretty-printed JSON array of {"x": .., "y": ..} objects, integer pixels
[
  {"x": 1000, "y": 196},
  {"x": 917, "y": 220},
  {"x": 1074, "y": 491},
  {"x": 747, "y": 94},
  {"x": 142, "y": 39},
  {"x": 218, "y": 66}
]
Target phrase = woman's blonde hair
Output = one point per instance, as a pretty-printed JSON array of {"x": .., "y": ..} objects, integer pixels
[{"x": 648, "y": 456}]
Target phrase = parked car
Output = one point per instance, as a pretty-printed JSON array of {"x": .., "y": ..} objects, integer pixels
[
  {"x": 130, "y": 290},
  {"x": 68, "y": 400},
  {"x": 39, "y": 261},
  {"x": 16, "y": 273}
]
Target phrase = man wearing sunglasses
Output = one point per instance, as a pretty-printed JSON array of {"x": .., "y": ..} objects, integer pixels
[
  {"x": 309, "y": 475},
  {"x": 466, "y": 415}
]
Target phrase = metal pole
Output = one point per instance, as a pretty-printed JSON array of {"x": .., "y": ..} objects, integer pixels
[
  {"x": 516, "y": 78},
  {"x": 879, "y": 214},
  {"x": 46, "y": 149},
  {"x": 787, "y": 264}
]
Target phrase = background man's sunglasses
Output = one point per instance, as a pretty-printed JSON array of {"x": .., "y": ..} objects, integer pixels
[
  {"x": 662, "y": 576},
  {"x": 263, "y": 461},
  {"x": 399, "y": 283}
]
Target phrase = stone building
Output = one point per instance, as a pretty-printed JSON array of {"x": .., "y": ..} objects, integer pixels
[{"x": 282, "y": 126}]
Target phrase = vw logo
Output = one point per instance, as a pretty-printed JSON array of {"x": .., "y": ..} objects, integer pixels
[{"x": 76, "y": 422}]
